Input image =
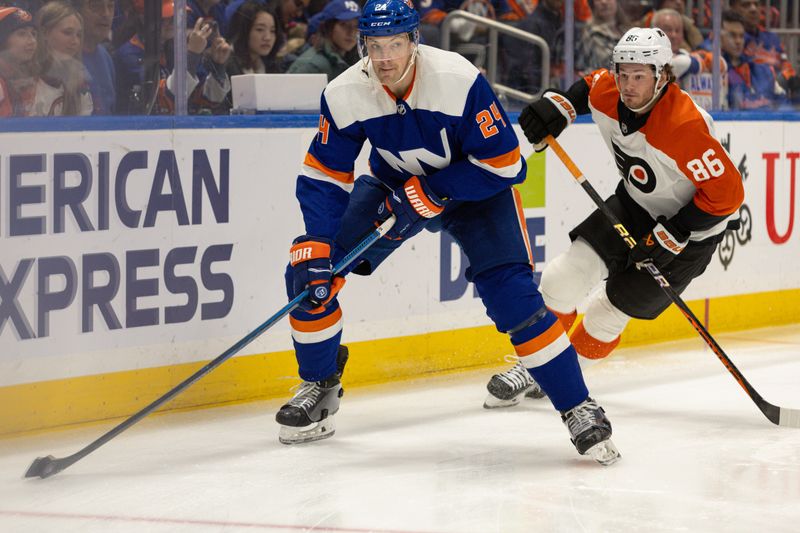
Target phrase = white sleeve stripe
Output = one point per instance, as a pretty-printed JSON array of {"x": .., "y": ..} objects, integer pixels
[
  {"x": 546, "y": 354},
  {"x": 315, "y": 174},
  {"x": 510, "y": 171}
]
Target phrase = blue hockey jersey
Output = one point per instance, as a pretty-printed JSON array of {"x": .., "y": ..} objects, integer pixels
[{"x": 448, "y": 127}]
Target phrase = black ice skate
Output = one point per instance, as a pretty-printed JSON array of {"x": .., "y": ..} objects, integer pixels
[
  {"x": 590, "y": 432},
  {"x": 308, "y": 416},
  {"x": 507, "y": 388}
]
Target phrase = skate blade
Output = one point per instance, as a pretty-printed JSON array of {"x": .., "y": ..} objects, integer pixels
[
  {"x": 298, "y": 435},
  {"x": 493, "y": 402},
  {"x": 605, "y": 453}
]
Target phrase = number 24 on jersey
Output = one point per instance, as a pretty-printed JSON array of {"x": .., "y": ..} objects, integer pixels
[{"x": 487, "y": 119}]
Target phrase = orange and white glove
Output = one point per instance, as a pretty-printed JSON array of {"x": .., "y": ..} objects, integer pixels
[
  {"x": 414, "y": 204},
  {"x": 310, "y": 258},
  {"x": 661, "y": 245}
]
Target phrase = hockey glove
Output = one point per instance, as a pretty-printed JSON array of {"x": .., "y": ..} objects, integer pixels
[
  {"x": 661, "y": 245},
  {"x": 413, "y": 204},
  {"x": 547, "y": 116},
  {"x": 310, "y": 258}
]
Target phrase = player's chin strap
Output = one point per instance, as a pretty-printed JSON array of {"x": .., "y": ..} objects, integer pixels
[
  {"x": 366, "y": 62},
  {"x": 781, "y": 416},
  {"x": 409, "y": 66}
]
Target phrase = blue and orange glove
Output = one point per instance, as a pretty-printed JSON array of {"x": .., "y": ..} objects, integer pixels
[
  {"x": 310, "y": 258},
  {"x": 413, "y": 204},
  {"x": 661, "y": 245}
]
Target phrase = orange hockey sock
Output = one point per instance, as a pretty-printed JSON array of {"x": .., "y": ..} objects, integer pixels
[
  {"x": 566, "y": 319},
  {"x": 589, "y": 347}
]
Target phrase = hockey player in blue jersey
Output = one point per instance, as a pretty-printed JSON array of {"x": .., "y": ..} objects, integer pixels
[{"x": 444, "y": 158}]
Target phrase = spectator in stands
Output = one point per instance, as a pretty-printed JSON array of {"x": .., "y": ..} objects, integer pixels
[
  {"x": 97, "y": 16},
  {"x": 17, "y": 62},
  {"x": 600, "y": 36},
  {"x": 691, "y": 37},
  {"x": 635, "y": 9},
  {"x": 205, "y": 9},
  {"x": 256, "y": 36},
  {"x": 335, "y": 49},
  {"x": 693, "y": 70},
  {"x": 24, "y": 92},
  {"x": 205, "y": 90},
  {"x": 523, "y": 8},
  {"x": 291, "y": 23},
  {"x": 31, "y": 6},
  {"x": 525, "y": 67},
  {"x": 295, "y": 26},
  {"x": 433, "y": 12},
  {"x": 751, "y": 85},
  {"x": 764, "y": 46},
  {"x": 60, "y": 36}
]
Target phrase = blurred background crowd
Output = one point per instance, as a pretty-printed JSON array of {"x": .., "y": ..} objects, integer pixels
[{"x": 119, "y": 57}]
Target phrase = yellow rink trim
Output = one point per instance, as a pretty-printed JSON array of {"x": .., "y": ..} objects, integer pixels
[{"x": 49, "y": 404}]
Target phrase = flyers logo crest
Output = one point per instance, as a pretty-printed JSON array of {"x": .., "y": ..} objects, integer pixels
[{"x": 635, "y": 170}]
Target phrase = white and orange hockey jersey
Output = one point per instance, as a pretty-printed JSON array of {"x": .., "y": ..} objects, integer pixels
[{"x": 669, "y": 159}]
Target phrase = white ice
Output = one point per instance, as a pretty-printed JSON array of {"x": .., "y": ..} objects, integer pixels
[{"x": 424, "y": 456}]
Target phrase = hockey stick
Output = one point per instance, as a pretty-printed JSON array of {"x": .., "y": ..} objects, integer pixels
[
  {"x": 45, "y": 467},
  {"x": 781, "y": 416}
]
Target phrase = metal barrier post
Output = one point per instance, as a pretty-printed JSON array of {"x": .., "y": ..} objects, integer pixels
[{"x": 495, "y": 28}]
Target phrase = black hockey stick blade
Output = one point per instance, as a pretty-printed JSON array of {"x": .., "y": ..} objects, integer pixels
[{"x": 44, "y": 467}]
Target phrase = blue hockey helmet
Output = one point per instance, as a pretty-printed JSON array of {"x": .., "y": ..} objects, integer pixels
[{"x": 381, "y": 18}]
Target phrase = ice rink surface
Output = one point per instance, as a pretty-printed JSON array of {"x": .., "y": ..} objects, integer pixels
[{"x": 424, "y": 456}]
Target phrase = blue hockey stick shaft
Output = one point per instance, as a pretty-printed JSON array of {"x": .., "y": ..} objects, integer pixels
[{"x": 44, "y": 467}]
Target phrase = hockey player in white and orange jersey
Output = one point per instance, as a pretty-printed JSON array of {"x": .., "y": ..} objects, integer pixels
[
  {"x": 678, "y": 194},
  {"x": 444, "y": 158}
]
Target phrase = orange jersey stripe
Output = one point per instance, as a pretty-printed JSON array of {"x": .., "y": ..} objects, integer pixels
[
  {"x": 687, "y": 144},
  {"x": 523, "y": 225},
  {"x": 543, "y": 340},
  {"x": 343, "y": 177},
  {"x": 312, "y": 326},
  {"x": 503, "y": 160}
]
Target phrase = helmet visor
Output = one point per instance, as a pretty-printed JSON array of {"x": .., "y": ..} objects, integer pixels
[{"x": 389, "y": 48}]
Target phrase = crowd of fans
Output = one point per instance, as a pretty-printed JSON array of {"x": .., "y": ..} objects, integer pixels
[{"x": 88, "y": 57}]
